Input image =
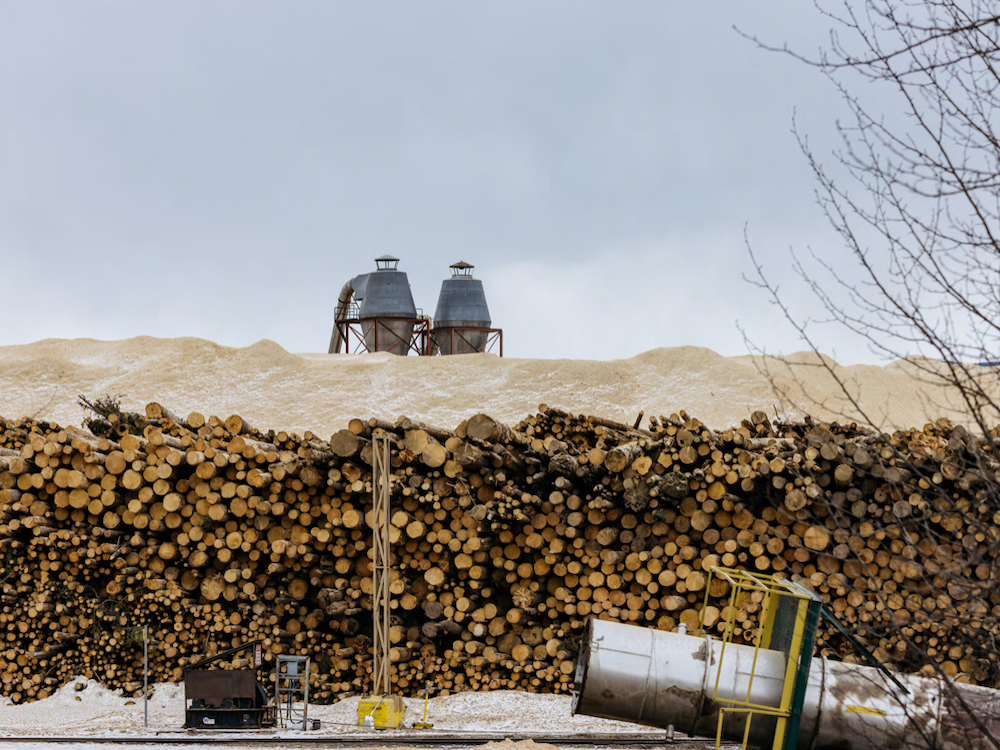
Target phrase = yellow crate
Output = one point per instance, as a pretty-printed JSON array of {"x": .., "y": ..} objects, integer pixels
[{"x": 387, "y": 711}]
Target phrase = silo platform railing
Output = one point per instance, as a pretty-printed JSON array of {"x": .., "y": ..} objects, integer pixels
[
  {"x": 363, "y": 336},
  {"x": 468, "y": 340}
]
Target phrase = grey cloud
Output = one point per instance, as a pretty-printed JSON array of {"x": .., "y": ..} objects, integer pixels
[{"x": 218, "y": 169}]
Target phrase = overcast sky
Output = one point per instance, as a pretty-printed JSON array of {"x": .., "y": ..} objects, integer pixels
[{"x": 220, "y": 169}]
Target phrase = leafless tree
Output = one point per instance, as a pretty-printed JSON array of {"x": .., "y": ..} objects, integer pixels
[{"x": 913, "y": 192}]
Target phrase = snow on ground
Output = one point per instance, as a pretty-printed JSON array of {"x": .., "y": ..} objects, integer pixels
[
  {"x": 84, "y": 708},
  {"x": 95, "y": 710}
]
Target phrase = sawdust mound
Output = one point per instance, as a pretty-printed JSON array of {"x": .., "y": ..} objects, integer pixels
[{"x": 321, "y": 392}]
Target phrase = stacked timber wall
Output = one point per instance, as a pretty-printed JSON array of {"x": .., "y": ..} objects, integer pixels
[{"x": 505, "y": 539}]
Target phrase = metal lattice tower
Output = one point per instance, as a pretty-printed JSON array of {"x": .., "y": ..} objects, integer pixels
[
  {"x": 382, "y": 684},
  {"x": 291, "y": 681}
]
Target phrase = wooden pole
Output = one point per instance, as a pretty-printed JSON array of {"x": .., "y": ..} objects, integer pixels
[{"x": 380, "y": 570}]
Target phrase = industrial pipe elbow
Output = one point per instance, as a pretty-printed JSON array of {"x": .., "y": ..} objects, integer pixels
[{"x": 343, "y": 305}]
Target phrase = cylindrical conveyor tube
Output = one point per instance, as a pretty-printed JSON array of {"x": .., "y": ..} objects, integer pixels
[
  {"x": 647, "y": 676},
  {"x": 343, "y": 302}
]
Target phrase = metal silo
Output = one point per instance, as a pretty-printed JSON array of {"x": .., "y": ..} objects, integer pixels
[
  {"x": 461, "y": 310},
  {"x": 386, "y": 295},
  {"x": 385, "y": 308}
]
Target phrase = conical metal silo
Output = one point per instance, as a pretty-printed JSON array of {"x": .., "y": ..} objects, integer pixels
[
  {"x": 381, "y": 296},
  {"x": 461, "y": 309}
]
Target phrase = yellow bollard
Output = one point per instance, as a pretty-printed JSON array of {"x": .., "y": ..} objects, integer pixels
[{"x": 423, "y": 724}]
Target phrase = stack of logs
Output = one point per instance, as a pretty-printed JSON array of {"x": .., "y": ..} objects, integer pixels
[{"x": 505, "y": 540}]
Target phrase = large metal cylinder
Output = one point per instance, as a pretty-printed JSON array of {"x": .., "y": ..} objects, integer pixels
[
  {"x": 461, "y": 308},
  {"x": 646, "y": 676},
  {"x": 381, "y": 296}
]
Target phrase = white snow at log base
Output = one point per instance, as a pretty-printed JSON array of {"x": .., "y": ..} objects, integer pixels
[{"x": 96, "y": 711}]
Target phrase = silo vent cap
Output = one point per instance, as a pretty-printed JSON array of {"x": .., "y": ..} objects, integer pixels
[
  {"x": 462, "y": 270},
  {"x": 387, "y": 263}
]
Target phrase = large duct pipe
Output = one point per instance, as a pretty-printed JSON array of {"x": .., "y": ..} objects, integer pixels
[
  {"x": 343, "y": 305},
  {"x": 646, "y": 676}
]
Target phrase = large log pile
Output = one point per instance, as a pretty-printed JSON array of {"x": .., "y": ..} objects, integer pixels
[{"x": 504, "y": 540}]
